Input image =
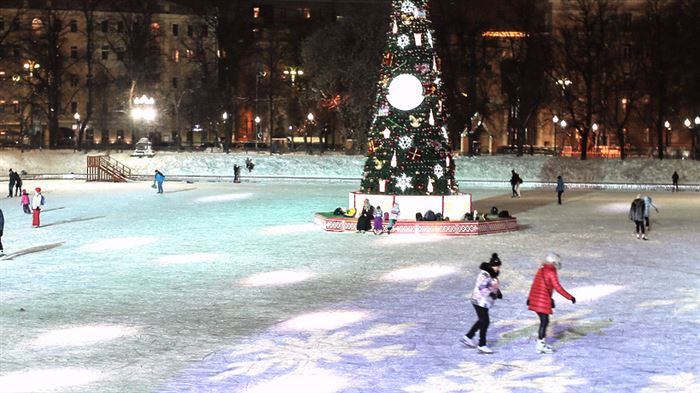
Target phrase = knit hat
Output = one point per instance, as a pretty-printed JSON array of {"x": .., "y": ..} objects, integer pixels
[
  {"x": 37, "y": 189},
  {"x": 495, "y": 260},
  {"x": 553, "y": 258}
]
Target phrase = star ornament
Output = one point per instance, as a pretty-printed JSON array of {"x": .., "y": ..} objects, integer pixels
[{"x": 403, "y": 182}]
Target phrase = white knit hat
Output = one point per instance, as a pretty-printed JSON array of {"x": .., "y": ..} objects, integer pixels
[{"x": 553, "y": 258}]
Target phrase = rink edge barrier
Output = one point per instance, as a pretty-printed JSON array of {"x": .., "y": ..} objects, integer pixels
[{"x": 464, "y": 183}]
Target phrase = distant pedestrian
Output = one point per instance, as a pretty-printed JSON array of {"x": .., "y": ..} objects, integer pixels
[
  {"x": 2, "y": 227},
  {"x": 648, "y": 204},
  {"x": 11, "y": 185},
  {"x": 18, "y": 184},
  {"x": 236, "y": 173},
  {"x": 675, "y": 177},
  {"x": 249, "y": 164},
  {"x": 637, "y": 210},
  {"x": 158, "y": 180},
  {"x": 540, "y": 298},
  {"x": 560, "y": 188},
  {"x": 378, "y": 221},
  {"x": 393, "y": 216},
  {"x": 513, "y": 182},
  {"x": 38, "y": 202},
  {"x": 24, "y": 201},
  {"x": 486, "y": 291}
]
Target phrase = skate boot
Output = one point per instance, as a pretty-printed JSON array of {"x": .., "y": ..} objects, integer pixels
[
  {"x": 543, "y": 347},
  {"x": 468, "y": 342},
  {"x": 485, "y": 349}
]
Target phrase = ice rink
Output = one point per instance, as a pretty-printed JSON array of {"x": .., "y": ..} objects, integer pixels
[{"x": 215, "y": 287}]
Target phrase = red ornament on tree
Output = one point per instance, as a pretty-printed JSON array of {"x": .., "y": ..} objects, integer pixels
[{"x": 414, "y": 154}]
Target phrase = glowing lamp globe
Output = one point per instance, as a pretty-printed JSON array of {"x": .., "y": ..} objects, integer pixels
[{"x": 405, "y": 92}]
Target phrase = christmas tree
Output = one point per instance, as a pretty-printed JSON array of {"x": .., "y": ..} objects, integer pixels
[{"x": 407, "y": 151}]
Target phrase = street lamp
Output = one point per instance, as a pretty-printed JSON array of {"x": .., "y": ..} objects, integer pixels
[
  {"x": 555, "y": 120},
  {"x": 31, "y": 65},
  {"x": 257, "y": 131},
  {"x": 144, "y": 110},
  {"x": 76, "y": 130},
  {"x": 694, "y": 129},
  {"x": 595, "y": 134},
  {"x": 667, "y": 126},
  {"x": 293, "y": 72}
]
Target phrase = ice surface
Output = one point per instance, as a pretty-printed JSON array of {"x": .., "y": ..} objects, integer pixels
[{"x": 201, "y": 290}]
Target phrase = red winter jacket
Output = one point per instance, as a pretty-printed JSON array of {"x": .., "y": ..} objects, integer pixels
[{"x": 540, "y": 298}]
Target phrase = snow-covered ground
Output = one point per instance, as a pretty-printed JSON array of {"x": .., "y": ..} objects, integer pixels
[
  {"x": 220, "y": 287},
  {"x": 530, "y": 168}
]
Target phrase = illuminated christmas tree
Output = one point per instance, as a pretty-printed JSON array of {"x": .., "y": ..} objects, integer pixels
[{"x": 408, "y": 152}]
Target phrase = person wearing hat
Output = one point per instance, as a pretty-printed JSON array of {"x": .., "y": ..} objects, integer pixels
[
  {"x": 540, "y": 298},
  {"x": 486, "y": 291},
  {"x": 637, "y": 211},
  {"x": 37, "y": 202}
]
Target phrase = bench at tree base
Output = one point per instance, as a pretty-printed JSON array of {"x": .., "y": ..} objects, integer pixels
[{"x": 331, "y": 223}]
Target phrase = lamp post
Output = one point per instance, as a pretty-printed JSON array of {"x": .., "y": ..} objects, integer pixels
[
  {"x": 31, "y": 65},
  {"x": 293, "y": 72},
  {"x": 667, "y": 126},
  {"x": 594, "y": 127},
  {"x": 310, "y": 121},
  {"x": 76, "y": 130},
  {"x": 257, "y": 131},
  {"x": 694, "y": 129},
  {"x": 555, "y": 120},
  {"x": 144, "y": 110}
]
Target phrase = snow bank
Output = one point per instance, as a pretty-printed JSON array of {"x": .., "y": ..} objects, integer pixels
[{"x": 531, "y": 168}]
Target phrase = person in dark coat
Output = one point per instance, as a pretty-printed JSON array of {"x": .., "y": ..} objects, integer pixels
[
  {"x": 560, "y": 188},
  {"x": 18, "y": 184},
  {"x": 12, "y": 184},
  {"x": 513, "y": 182},
  {"x": 540, "y": 298},
  {"x": 2, "y": 227},
  {"x": 364, "y": 221},
  {"x": 637, "y": 210},
  {"x": 674, "y": 178},
  {"x": 486, "y": 291}
]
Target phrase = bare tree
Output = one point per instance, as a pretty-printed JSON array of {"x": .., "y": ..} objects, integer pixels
[{"x": 87, "y": 8}]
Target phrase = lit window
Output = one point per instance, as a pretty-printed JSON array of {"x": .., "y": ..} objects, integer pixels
[
  {"x": 15, "y": 103},
  {"x": 306, "y": 12},
  {"x": 155, "y": 27},
  {"x": 190, "y": 54},
  {"x": 339, "y": 18},
  {"x": 256, "y": 12},
  {"x": 37, "y": 23},
  {"x": 176, "y": 55}
]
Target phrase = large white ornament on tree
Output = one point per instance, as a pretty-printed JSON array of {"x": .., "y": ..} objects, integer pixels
[
  {"x": 404, "y": 182},
  {"x": 402, "y": 41},
  {"x": 405, "y": 92}
]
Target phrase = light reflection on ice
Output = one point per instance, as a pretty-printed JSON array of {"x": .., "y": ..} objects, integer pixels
[
  {"x": 324, "y": 320},
  {"x": 419, "y": 273},
  {"x": 303, "y": 380},
  {"x": 285, "y": 229},
  {"x": 278, "y": 277},
  {"x": 47, "y": 380},
  {"x": 619, "y": 207},
  {"x": 224, "y": 197},
  {"x": 121, "y": 243},
  {"x": 82, "y": 335},
  {"x": 591, "y": 293},
  {"x": 190, "y": 258},
  {"x": 412, "y": 239}
]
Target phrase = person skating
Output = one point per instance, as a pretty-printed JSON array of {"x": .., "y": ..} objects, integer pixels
[
  {"x": 637, "y": 210},
  {"x": 393, "y": 216},
  {"x": 37, "y": 202},
  {"x": 364, "y": 221},
  {"x": 486, "y": 291},
  {"x": 24, "y": 201},
  {"x": 648, "y": 204},
  {"x": 18, "y": 184},
  {"x": 560, "y": 188},
  {"x": 11, "y": 185},
  {"x": 540, "y": 298},
  {"x": 2, "y": 227},
  {"x": 674, "y": 178},
  {"x": 513, "y": 182},
  {"x": 158, "y": 179},
  {"x": 378, "y": 220}
]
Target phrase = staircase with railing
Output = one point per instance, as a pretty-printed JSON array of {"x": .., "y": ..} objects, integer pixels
[{"x": 106, "y": 168}]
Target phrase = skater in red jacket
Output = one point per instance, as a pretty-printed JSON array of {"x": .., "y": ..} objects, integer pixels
[{"x": 540, "y": 298}]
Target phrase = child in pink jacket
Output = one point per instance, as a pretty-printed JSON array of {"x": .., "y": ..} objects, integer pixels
[{"x": 25, "y": 202}]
